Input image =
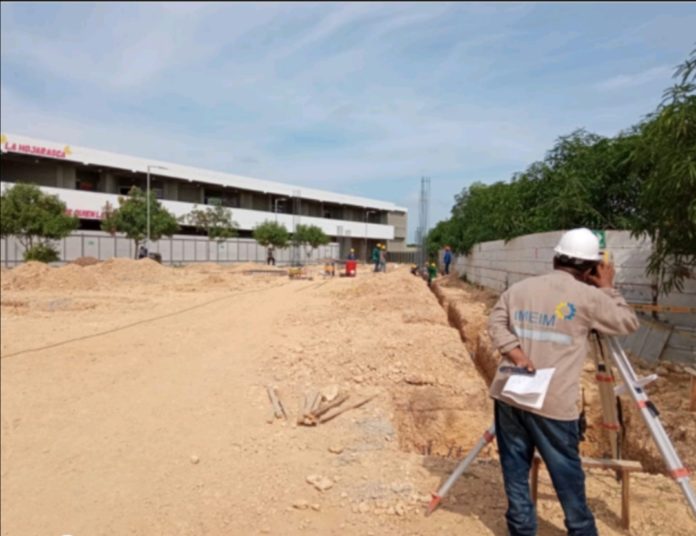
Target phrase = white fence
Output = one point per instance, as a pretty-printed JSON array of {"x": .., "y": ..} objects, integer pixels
[
  {"x": 663, "y": 335},
  {"x": 179, "y": 249}
]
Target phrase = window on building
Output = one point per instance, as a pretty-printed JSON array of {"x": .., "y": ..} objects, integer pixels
[
  {"x": 221, "y": 197},
  {"x": 86, "y": 180}
]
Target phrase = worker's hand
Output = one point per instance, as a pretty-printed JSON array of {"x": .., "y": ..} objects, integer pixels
[
  {"x": 604, "y": 277},
  {"x": 520, "y": 359}
]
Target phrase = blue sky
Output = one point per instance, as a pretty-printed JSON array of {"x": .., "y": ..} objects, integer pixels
[{"x": 360, "y": 98}]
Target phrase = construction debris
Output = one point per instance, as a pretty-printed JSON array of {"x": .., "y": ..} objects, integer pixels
[
  {"x": 317, "y": 404},
  {"x": 327, "y": 418},
  {"x": 299, "y": 272},
  {"x": 278, "y": 409}
]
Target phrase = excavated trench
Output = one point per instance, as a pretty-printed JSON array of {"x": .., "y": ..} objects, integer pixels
[
  {"x": 437, "y": 415},
  {"x": 441, "y": 406}
]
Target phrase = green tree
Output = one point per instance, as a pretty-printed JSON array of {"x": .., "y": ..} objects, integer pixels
[
  {"x": 215, "y": 221},
  {"x": 36, "y": 219},
  {"x": 440, "y": 236},
  {"x": 270, "y": 233},
  {"x": 665, "y": 156},
  {"x": 131, "y": 217},
  {"x": 310, "y": 236}
]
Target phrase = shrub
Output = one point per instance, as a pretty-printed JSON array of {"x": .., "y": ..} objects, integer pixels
[{"x": 42, "y": 253}]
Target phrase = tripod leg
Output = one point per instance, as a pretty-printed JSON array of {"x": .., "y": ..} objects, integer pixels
[
  {"x": 606, "y": 383},
  {"x": 488, "y": 436},
  {"x": 651, "y": 417}
]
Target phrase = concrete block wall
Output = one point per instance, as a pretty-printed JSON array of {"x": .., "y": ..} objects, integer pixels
[{"x": 663, "y": 336}]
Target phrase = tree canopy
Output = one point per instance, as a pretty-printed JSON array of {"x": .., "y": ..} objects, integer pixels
[
  {"x": 270, "y": 233},
  {"x": 215, "y": 221},
  {"x": 131, "y": 217},
  {"x": 642, "y": 180},
  {"x": 311, "y": 236},
  {"x": 35, "y": 218}
]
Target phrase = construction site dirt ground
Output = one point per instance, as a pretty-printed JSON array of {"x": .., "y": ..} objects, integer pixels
[{"x": 134, "y": 402}]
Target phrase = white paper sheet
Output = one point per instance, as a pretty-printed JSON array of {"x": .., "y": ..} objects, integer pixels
[{"x": 529, "y": 390}]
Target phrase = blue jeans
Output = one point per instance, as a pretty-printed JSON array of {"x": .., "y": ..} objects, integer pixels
[{"x": 518, "y": 433}]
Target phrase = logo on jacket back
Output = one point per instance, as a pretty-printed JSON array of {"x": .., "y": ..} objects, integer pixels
[{"x": 565, "y": 311}]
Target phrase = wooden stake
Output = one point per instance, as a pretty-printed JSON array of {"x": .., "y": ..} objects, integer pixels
[
  {"x": 330, "y": 416},
  {"x": 301, "y": 409},
  {"x": 692, "y": 403},
  {"x": 278, "y": 410},
  {"x": 625, "y": 500},
  {"x": 340, "y": 400}
]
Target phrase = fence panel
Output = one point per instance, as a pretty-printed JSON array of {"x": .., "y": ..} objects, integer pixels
[{"x": 175, "y": 250}]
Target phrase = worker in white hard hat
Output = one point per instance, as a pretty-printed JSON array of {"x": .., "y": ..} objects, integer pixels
[{"x": 541, "y": 325}]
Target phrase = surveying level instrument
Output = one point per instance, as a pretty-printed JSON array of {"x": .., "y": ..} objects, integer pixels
[{"x": 611, "y": 419}]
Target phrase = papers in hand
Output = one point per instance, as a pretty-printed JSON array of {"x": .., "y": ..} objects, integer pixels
[{"x": 529, "y": 390}]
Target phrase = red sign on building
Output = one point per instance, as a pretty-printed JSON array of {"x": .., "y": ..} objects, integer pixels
[
  {"x": 85, "y": 214},
  {"x": 37, "y": 150}
]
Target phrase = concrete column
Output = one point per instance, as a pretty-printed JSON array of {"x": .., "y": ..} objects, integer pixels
[
  {"x": 109, "y": 183},
  {"x": 69, "y": 181},
  {"x": 171, "y": 190}
]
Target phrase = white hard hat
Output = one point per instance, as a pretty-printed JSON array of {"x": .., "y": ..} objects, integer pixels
[{"x": 579, "y": 244}]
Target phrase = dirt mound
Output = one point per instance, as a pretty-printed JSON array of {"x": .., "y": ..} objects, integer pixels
[
  {"x": 86, "y": 261},
  {"x": 203, "y": 267},
  {"x": 441, "y": 406},
  {"x": 69, "y": 277},
  {"x": 130, "y": 271},
  {"x": 25, "y": 276}
]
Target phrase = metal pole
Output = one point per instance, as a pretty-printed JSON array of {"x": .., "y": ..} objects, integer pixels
[{"x": 147, "y": 200}]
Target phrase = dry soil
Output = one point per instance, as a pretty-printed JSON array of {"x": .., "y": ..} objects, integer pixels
[{"x": 134, "y": 402}]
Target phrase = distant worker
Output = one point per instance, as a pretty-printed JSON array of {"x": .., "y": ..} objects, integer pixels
[
  {"x": 432, "y": 272},
  {"x": 142, "y": 252},
  {"x": 351, "y": 255},
  {"x": 414, "y": 269},
  {"x": 270, "y": 260},
  {"x": 375, "y": 256},
  {"x": 383, "y": 258},
  {"x": 447, "y": 258},
  {"x": 543, "y": 322}
]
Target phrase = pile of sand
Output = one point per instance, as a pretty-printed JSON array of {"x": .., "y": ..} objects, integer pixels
[
  {"x": 25, "y": 276},
  {"x": 86, "y": 261}
]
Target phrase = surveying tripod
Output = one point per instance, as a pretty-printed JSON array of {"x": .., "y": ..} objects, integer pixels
[{"x": 631, "y": 385}]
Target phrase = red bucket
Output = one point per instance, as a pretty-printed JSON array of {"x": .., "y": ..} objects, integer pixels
[{"x": 351, "y": 268}]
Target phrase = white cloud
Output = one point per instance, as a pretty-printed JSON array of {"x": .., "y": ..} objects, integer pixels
[{"x": 624, "y": 81}]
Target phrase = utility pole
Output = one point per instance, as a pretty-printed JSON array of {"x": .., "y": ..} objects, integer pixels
[{"x": 422, "y": 229}]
